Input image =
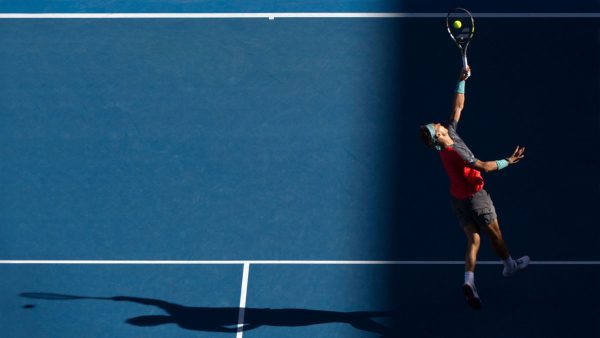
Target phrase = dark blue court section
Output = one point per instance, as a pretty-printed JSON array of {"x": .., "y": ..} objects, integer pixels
[
  {"x": 529, "y": 88},
  {"x": 279, "y": 6},
  {"x": 152, "y": 300}
]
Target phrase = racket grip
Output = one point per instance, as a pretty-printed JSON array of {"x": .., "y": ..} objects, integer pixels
[{"x": 464, "y": 59}]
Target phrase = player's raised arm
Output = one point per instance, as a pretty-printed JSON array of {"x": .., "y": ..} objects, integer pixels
[
  {"x": 486, "y": 167},
  {"x": 459, "y": 96}
]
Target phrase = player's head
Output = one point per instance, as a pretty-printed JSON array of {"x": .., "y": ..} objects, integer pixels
[{"x": 430, "y": 135}]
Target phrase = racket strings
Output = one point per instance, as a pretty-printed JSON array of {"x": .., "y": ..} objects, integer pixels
[{"x": 465, "y": 32}]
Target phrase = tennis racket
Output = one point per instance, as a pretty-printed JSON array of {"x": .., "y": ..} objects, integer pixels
[{"x": 461, "y": 35}]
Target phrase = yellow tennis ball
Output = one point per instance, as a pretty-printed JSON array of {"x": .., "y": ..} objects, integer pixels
[{"x": 457, "y": 24}]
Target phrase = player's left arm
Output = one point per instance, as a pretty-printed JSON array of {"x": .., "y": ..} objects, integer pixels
[
  {"x": 459, "y": 98},
  {"x": 489, "y": 166}
]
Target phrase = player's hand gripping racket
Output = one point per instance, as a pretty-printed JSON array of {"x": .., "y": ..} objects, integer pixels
[{"x": 460, "y": 26}]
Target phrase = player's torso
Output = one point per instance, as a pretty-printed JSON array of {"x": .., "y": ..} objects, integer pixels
[{"x": 456, "y": 159}]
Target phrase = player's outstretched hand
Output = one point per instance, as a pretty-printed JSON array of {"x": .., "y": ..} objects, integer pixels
[
  {"x": 517, "y": 155},
  {"x": 463, "y": 74}
]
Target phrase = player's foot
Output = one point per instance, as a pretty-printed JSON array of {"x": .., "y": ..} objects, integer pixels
[
  {"x": 472, "y": 297},
  {"x": 520, "y": 265}
]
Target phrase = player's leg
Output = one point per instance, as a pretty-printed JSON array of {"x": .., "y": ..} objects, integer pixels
[
  {"x": 511, "y": 266},
  {"x": 493, "y": 232},
  {"x": 484, "y": 212},
  {"x": 471, "y": 229},
  {"x": 473, "y": 242}
]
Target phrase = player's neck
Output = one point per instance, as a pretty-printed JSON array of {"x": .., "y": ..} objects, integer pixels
[{"x": 446, "y": 142}]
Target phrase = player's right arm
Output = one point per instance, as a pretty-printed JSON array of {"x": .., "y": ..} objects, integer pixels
[
  {"x": 459, "y": 99},
  {"x": 484, "y": 167},
  {"x": 489, "y": 166}
]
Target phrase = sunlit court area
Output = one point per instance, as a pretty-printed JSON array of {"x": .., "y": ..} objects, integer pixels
[{"x": 243, "y": 169}]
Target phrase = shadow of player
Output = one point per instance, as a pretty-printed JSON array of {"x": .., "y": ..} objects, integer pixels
[{"x": 225, "y": 319}]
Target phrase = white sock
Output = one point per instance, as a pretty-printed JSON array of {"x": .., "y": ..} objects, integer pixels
[
  {"x": 510, "y": 263},
  {"x": 470, "y": 277}
]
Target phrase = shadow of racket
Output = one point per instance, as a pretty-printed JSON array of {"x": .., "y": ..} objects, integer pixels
[{"x": 56, "y": 296}]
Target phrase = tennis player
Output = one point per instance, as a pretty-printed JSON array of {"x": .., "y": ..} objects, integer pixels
[{"x": 470, "y": 202}]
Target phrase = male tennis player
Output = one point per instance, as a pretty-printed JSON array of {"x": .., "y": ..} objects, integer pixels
[{"x": 470, "y": 202}]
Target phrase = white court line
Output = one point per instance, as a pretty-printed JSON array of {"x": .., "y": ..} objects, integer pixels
[
  {"x": 281, "y": 15},
  {"x": 240, "y": 328},
  {"x": 282, "y": 262}
]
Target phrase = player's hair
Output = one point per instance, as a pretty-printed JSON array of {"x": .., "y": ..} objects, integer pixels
[{"x": 425, "y": 137}]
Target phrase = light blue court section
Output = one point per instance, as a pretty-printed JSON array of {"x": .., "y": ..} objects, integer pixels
[
  {"x": 420, "y": 301},
  {"x": 198, "y": 139},
  {"x": 330, "y": 6},
  {"x": 175, "y": 299}
]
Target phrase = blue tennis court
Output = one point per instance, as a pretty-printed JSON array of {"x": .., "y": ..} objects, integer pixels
[{"x": 262, "y": 176}]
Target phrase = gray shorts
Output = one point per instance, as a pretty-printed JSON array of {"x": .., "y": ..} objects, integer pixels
[{"x": 477, "y": 208}]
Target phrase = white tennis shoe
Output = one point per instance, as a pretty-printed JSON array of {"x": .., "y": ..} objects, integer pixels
[
  {"x": 473, "y": 300},
  {"x": 521, "y": 264}
]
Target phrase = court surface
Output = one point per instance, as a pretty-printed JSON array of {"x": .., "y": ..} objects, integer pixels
[{"x": 214, "y": 177}]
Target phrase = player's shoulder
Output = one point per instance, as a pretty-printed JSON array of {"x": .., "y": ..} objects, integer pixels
[{"x": 448, "y": 150}]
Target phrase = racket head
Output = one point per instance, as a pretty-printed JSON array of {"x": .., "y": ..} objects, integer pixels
[
  {"x": 464, "y": 34},
  {"x": 49, "y": 296}
]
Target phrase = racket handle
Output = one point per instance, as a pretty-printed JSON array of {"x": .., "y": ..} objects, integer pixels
[{"x": 464, "y": 58}]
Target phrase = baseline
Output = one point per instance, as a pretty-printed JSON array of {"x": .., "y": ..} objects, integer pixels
[
  {"x": 277, "y": 262},
  {"x": 281, "y": 15}
]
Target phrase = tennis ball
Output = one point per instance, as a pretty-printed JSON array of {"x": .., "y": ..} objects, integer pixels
[{"x": 457, "y": 24}]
